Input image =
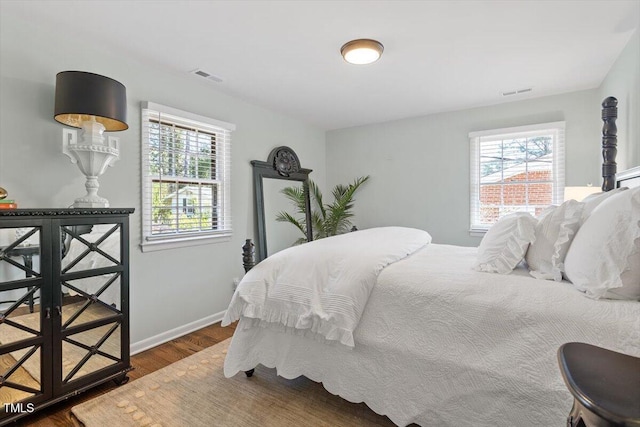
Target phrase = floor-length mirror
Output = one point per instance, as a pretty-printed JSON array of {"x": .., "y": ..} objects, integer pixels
[{"x": 282, "y": 169}]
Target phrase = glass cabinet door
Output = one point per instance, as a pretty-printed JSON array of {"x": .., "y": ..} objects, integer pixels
[
  {"x": 90, "y": 295},
  {"x": 22, "y": 341}
]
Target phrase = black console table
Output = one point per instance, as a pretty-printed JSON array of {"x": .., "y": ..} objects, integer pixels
[{"x": 64, "y": 321}]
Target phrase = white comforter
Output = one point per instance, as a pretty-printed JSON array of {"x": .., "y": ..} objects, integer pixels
[
  {"x": 321, "y": 287},
  {"x": 440, "y": 344}
]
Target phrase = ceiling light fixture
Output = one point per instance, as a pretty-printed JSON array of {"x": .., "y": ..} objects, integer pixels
[{"x": 361, "y": 51}]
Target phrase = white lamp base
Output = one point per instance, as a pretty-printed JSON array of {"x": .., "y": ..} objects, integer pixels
[
  {"x": 93, "y": 157},
  {"x": 91, "y": 199}
]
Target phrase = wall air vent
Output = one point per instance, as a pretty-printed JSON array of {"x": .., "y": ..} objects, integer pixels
[
  {"x": 517, "y": 92},
  {"x": 201, "y": 73}
]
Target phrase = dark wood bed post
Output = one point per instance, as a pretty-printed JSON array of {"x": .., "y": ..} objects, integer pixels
[
  {"x": 248, "y": 261},
  {"x": 609, "y": 143},
  {"x": 248, "y": 251}
]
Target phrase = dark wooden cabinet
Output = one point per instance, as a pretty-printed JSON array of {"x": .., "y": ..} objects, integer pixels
[{"x": 64, "y": 304}]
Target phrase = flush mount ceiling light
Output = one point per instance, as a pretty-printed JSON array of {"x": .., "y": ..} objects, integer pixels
[{"x": 362, "y": 51}]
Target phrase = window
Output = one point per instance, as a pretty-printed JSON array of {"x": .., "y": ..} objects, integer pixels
[
  {"x": 185, "y": 178},
  {"x": 515, "y": 169}
]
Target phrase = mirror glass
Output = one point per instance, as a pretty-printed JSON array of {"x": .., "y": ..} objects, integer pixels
[
  {"x": 20, "y": 312},
  {"x": 90, "y": 299},
  {"x": 106, "y": 341},
  {"x": 279, "y": 235},
  {"x": 91, "y": 246},
  {"x": 26, "y": 376}
]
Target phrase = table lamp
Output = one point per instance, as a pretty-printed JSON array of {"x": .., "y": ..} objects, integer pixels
[
  {"x": 95, "y": 104},
  {"x": 579, "y": 193}
]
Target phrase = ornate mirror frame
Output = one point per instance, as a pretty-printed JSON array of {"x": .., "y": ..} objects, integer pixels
[{"x": 282, "y": 163}]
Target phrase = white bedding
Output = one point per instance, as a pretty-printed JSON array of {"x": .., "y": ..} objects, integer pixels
[
  {"x": 321, "y": 288},
  {"x": 440, "y": 344}
]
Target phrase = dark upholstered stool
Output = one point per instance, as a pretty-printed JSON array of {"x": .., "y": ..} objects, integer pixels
[{"x": 605, "y": 386}]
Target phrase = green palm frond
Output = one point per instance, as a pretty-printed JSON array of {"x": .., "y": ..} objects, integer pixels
[
  {"x": 287, "y": 217},
  {"x": 326, "y": 219},
  {"x": 296, "y": 196},
  {"x": 338, "y": 221},
  {"x": 300, "y": 241},
  {"x": 317, "y": 225},
  {"x": 316, "y": 196}
]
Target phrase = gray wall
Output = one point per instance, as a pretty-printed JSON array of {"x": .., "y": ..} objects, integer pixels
[
  {"x": 171, "y": 288},
  {"x": 623, "y": 82},
  {"x": 419, "y": 167}
]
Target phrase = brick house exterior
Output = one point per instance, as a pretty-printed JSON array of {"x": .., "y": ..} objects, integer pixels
[{"x": 539, "y": 194}]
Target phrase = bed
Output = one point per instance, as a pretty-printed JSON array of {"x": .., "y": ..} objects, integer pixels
[{"x": 439, "y": 343}]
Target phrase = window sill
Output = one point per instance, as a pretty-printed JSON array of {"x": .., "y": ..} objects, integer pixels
[{"x": 160, "y": 245}]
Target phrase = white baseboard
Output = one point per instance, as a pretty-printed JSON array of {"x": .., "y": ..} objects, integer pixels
[{"x": 146, "y": 344}]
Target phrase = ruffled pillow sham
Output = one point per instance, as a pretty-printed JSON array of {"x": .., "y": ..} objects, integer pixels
[
  {"x": 604, "y": 258},
  {"x": 554, "y": 232},
  {"x": 504, "y": 245},
  {"x": 592, "y": 201}
]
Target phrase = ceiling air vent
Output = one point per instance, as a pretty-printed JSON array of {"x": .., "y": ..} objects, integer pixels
[
  {"x": 517, "y": 92},
  {"x": 208, "y": 76}
]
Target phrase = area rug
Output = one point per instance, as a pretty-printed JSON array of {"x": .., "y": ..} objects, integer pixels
[{"x": 194, "y": 392}]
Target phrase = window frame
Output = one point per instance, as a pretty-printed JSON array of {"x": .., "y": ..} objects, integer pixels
[
  {"x": 558, "y": 166},
  {"x": 150, "y": 112}
]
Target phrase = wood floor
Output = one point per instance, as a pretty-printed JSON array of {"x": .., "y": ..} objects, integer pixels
[{"x": 144, "y": 363}]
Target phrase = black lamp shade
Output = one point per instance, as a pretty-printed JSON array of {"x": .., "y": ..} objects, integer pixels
[{"x": 81, "y": 95}]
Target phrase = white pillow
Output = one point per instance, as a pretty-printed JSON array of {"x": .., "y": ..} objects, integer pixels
[
  {"x": 604, "y": 258},
  {"x": 593, "y": 200},
  {"x": 554, "y": 232},
  {"x": 505, "y": 244}
]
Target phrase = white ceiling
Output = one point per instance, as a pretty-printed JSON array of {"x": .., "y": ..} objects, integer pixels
[{"x": 284, "y": 55}]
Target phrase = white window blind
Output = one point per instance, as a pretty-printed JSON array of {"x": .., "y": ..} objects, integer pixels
[
  {"x": 514, "y": 170},
  {"x": 186, "y": 182}
]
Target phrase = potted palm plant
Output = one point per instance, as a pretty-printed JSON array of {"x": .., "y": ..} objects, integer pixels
[{"x": 327, "y": 219}]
